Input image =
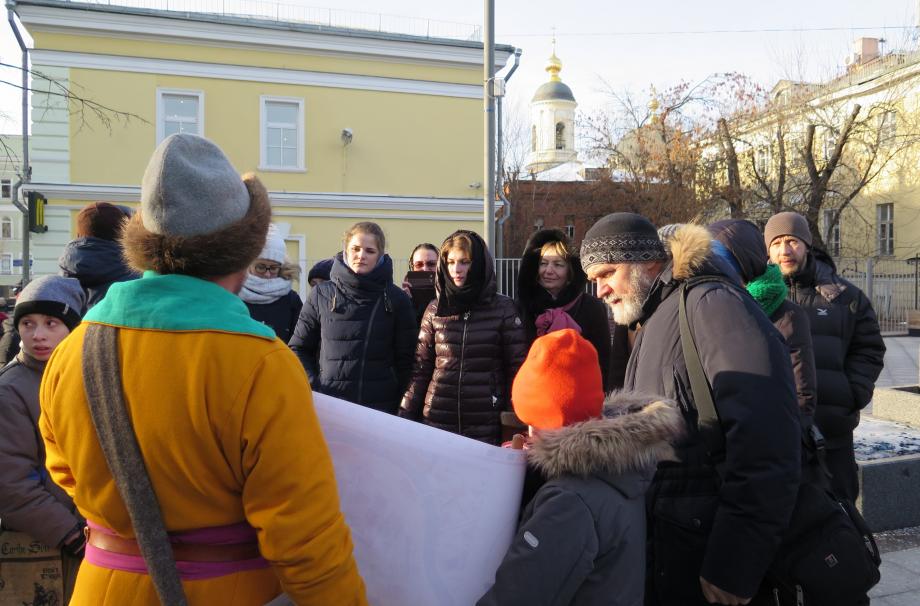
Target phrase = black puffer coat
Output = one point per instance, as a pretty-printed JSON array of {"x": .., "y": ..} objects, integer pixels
[
  {"x": 745, "y": 242},
  {"x": 588, "y": 312},
  {"x": 356, "y": 336},
  {"x": 97, "y": 264},
  {"x": 465, "y": 364},
  {"x": 849, "y": 350},
  {"x": 281, "y": 314},
  {"x": 725, "y": 527}
]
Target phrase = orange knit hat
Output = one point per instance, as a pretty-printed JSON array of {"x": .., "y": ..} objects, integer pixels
[{"x": 559, "y": 382}]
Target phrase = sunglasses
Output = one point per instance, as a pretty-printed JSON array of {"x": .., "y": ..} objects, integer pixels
[{"x": 424, "y": 264}]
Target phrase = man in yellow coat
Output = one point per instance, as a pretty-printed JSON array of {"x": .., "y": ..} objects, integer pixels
[{"x": 222, "y": 410}]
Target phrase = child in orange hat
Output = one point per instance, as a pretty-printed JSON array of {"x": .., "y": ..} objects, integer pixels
[{"x": 581, "y": 539}]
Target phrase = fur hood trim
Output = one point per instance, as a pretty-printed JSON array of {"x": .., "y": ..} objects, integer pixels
[
  {"x": 220, "y": 253},
  {"x": 690, "y": 246},
  {"x": 635, "y": 433}
]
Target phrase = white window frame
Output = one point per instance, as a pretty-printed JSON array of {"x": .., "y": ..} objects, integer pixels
[
  {"x": 7, "y": 221},
  {"x": 831, "y": 234},
  {"x": 884, "y": 237},
  {"x": 8, "y": 259},
  {"x": 161, "y": 109},
  {"x": 8, "y": 185},
  {"x": 888, "y": 127},
  {"x": 263, "y": 135}
]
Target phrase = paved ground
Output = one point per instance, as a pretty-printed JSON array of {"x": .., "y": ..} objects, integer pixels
[{"x": 900, "y": 584}]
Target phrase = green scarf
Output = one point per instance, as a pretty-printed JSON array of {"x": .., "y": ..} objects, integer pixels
[{"x": 769, "y": 289}]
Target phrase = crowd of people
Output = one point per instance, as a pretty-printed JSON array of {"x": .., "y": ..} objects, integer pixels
[{"x": 626, "y": 502}]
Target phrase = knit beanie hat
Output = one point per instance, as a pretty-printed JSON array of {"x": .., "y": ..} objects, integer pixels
[
  {"x": 101, "y": 220},
  {"x": 559, "y": 382},
  {"x": 55, "y": 296},
  {"x": 190, "y": 188},
  {"x": 321, "y": 270},
  {"x": 622, "y": 238},
  {"x": 198, "y": 216},
  {"x": 274, "y": 249},
  {"x": 787, "y": 224}
]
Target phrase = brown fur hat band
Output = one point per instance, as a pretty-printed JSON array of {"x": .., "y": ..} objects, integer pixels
[{"x": 210, "y": 255}]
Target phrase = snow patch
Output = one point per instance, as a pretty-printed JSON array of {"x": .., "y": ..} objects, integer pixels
[{"x": 878, "y": 439}]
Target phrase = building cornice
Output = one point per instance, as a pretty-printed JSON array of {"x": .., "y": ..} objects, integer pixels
[
  {"x": 252, "y": 74},
  {"x": 342, "y": 203},
  {"x": 184, "y": 28}
]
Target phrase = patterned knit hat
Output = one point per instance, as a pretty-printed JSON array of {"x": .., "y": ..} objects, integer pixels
[
  {"x": 559, "y": 382},
  {"x": 622, "y": 238}
]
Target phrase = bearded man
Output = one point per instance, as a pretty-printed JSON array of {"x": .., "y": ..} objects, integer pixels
[
  {"x": 715, "y": 519},
  {"x": 849, "y": 350}
]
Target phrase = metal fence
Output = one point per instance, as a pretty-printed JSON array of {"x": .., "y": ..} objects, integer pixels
[{"x": 891, "y": 284}]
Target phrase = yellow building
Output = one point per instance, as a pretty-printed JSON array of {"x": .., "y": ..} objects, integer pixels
[
  {"x": 341, "y": 123},
  {"x": 872, "y": 208}
]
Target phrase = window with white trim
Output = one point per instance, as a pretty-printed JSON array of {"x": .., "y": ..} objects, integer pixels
[
  {"x": 885, "y": 229},
  {"x": 6, "y": 263},
  {"x": 282, "y": 134},
  {"x": 6, "y": 228},
  {"x": 887, "y": 127},
  {"x": 6, "y": 189},
  {"x": 179, "y": 111},
  {"x": 570, "y": 226}
]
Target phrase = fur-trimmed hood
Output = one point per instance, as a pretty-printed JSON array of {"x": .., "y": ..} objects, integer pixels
[
  {"x": 635, "y": 432},
  {"x": 690, "y": 247}
]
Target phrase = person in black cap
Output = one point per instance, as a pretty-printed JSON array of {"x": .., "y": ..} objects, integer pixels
[
  {"x": 717, "y": 514},
  {"x": 319, "y": 273}
]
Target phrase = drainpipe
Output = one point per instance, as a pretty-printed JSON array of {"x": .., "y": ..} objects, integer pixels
[
  {"x": 500, "y": 186},
  {"x": 26, "y": 173}
]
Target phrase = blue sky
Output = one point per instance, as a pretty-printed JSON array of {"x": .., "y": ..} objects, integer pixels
[{"x": 593, "y": 47}]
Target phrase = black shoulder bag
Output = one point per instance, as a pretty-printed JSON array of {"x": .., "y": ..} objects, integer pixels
[{"x": 828, "y": 556}]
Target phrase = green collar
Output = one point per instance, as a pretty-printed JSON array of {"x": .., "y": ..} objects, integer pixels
[{"x": 174, "y": 302}]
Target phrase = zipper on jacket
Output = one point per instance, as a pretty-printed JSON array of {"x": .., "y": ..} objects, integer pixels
[
  {"x": 466, "y": 318},
  {"x": 367, "y": 340}
]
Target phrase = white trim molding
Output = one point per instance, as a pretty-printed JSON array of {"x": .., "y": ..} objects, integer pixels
[
  {"x": 298, "y": 128},
  {"x": 195, "y": 69},
  {"x": 349, "y": 205},
  {"x": 161, "y": 109},
  {"x": 240, "y": 32}
]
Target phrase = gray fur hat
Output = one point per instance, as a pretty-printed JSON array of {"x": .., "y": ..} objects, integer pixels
[
  {"x": 190, "y": 188},
  {"x": 55, "y": 296}
]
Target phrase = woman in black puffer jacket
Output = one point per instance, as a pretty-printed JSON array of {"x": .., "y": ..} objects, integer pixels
[
  {"x": 356, "y": 334},
  {"x": 470, "y": 346},
  {"x": 551, "y": 283}
]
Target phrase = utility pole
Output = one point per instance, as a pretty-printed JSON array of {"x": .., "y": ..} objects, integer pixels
[
  {"x": 26, "y": 173},
  {"x": 488, "y": 100}
]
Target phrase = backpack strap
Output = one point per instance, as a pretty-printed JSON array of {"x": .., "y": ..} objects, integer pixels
[
  {"x": 105, "y": 396},
  {"x": 707, "y": 415}
]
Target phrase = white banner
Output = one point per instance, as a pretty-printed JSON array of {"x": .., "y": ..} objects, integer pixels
[{"x": 431, "y": 513}]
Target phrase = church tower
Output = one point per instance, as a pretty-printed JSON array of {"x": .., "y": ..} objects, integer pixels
[{"x": 552, "y": 122}]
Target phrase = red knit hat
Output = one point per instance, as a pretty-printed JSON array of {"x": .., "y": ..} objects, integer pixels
[{"x": 559, "y": 382}]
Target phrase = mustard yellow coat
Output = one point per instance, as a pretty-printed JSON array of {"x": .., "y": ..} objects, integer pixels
[{"x": 226, "y": 426}]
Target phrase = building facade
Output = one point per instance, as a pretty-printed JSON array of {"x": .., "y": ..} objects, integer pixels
[{"x": 342, "y": 124}]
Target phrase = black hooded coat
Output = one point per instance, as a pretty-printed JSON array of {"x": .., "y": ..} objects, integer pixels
[
  {"x": 97, "y": 264},
  {"x": 588, "y": 312},
  {"x": 465, "y": 363}
]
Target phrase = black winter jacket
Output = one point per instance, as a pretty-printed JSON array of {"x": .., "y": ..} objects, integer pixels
[
  {"x": 582, "y": 537},
  {"x": 97, "y": 264},
  {"x": 724, "y": 526},
  {"x": 356, "y": 335},
  {"x": 589, "y": 312},
  {"x": 465, "y": 365},
  {"x": 849, "y": 350},
  {"x": 281, "y": 314}
]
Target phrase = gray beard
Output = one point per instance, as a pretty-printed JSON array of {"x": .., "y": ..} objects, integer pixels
[{"x": 629, "y": 310}]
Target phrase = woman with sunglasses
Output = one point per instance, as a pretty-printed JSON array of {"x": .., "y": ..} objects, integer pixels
[{"x": 268, "y": 291}]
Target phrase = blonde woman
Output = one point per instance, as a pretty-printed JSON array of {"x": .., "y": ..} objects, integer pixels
[{"x": 356, "y": 333}]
